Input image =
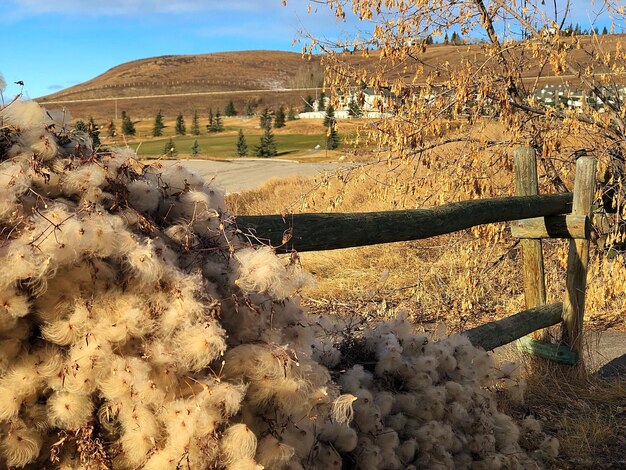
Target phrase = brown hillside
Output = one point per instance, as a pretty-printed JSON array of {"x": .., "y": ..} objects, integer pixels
[
  {"x": 186, "y": 83},
  {"x": 200, "y": 81}
]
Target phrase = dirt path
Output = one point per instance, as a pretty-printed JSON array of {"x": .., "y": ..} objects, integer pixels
[{"x": 240, "y": 175}]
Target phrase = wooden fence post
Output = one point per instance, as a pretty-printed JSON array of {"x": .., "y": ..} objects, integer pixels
[
  {"x": 578, "y": 257},
  {"x": 527, "y": 184}
]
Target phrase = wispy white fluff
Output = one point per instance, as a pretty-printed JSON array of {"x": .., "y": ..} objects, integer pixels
[
  {"x": 260, "y": 270},
  {"x": 86, "y": 177},
  {"x": 69, "y": 410},
  {"x": 143, "y": 196},
  {"x": 21, "y": 446},
  {"x": 25, "y": 115},
  {"x": 178, "y": 178},
  {"x": 238, "y": 443},
  {"x": 271, "y": 453},
  {"x": 342, "y": 408},
  {"x": 199, "y": 345}
]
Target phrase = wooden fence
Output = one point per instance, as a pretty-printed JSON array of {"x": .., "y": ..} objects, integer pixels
[{"x": 534, "y": 217}]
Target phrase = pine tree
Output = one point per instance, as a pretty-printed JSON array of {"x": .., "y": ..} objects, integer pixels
[
  {"x": 180, "y": 128},
  {"x": 329, "y": 117},
  {"x": 195, "y": 124},
  {"x": 80, "y": 126},
  {"x": 446, "y": 39},
  {"x": 229, "y": 109},
  {"x": 170, "y": 149},
  {"x": 321, "y": 103},
  {"x": 195, "y": 149},
  {"x": 218, "y": 123},
  {"x": 308, "y": 104},
  {"x": 265, "y": 120},
  {"x": 211, "y": 125},
  {"x": 242, "y": 146},
  {"x": 332, "y": 137},
  {"x": 279, "y": 118},
  {"x": 291, "y": 114},
  {"x": 605, "y": 30},
  {"x": 354, "y": 110},
  {"x": 267, "y": 146},
  {"x": 157, "y": 129},
  {"x": 128, "y": 128},
  {"x": 94, "y": 133}
]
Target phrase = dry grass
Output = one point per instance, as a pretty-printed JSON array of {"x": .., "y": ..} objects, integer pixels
[
  {"x": 586, "y": 413},
  {"x": 466, "y": 277}
]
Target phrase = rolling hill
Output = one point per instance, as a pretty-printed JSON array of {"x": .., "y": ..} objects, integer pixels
[{"x": 185, "y": 83}]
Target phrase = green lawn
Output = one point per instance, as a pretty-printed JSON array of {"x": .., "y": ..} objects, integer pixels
[{"x": 223, "y": 146}]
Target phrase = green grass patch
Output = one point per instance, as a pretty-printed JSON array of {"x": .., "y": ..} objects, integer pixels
[{"x": 223, "y": 146}]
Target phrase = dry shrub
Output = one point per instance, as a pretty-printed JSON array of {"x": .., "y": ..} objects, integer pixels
[{"x": 138, "y": 331}]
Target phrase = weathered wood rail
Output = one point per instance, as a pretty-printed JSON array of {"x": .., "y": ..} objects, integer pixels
[
  {"x": 534, "y": 217},
  {"x": 314, "y": 232}
]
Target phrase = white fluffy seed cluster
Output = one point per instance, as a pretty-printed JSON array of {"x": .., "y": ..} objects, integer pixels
[
  {"x": 432, "y": 404},
  {"x": 138, "y": 332}
]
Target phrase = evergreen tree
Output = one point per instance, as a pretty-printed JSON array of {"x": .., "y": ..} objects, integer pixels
[
  {"x": 354, "y": 110},
  {"x": 180, "y": 128},
  {"x": 195, "y": 124},
  {"x": 94, "y": 133},
  {"x": 80, "y": 126},
  {"x": 329, "y": 117},
  {"x": 242, "y": 146},
  {"x": 170, "y": 149},
  {"x": 456, "y": 39},
  {"x": 446, "y": 39},
  {"x": 157, "y": 129},
  {"x": 267, "y": 146},
  {"x": 128, "y": 128},
  {"x": 308, "y": 104},
  {"x": 195, "y": 149},
  {"x": 605, "y": 30},
  {"x": 265, "y": 120},
  {"x": 321, "y": 103},
  {"x": 229, "y": 109},
  {"x": 291, "y": 114},
  {"x": 218, "y": 123},
  {"x": 111, "y": 129},
  {"x": 279, "y": 118},
  {"x": 332, "y": 137},
  {"x": 211, "y": 125}
]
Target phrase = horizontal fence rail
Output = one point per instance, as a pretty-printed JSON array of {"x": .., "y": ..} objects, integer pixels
[
  {"x": 498, "y": 333},
  {"x": 329, "y": 231}
]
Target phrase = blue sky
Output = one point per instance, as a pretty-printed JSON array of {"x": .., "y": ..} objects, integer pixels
[{"x": 53, "y": 44}]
